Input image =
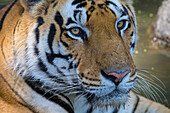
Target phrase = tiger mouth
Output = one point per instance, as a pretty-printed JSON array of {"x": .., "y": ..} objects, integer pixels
[
  {"x": 108, "y": 95},
  {"x": 116, "y": 97}
]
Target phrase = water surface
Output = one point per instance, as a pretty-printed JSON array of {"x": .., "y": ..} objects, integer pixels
[{"x": 146, "y": 57}]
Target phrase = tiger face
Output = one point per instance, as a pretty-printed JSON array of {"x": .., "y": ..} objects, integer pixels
[{"x": 79, "y": 47}]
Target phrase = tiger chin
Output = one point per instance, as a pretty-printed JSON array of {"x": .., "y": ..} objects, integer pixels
[{"x": 69, "y": 56}]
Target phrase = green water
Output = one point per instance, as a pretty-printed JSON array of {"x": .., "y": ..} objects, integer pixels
[{"x": 146, "y": 57}]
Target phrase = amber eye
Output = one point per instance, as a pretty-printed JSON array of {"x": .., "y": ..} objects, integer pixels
[
  {"x": 75, "y": 31},
  {"x": 121, "y": 24}
]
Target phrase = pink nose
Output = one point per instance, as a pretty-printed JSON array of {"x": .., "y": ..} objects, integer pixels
[{"x": 118, "y": 76}]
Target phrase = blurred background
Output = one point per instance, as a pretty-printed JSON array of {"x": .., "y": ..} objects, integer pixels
[{"x": 154, "y": 60}]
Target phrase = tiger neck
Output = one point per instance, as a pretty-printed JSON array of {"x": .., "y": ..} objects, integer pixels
[{"x": 9, "y": 15}]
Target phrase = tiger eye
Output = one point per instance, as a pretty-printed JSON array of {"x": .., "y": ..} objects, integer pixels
[
  {"x": 120, "y": 24},
  {"x": 75, "y": 31}
]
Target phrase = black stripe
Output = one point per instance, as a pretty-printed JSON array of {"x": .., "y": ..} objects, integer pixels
[
  {"x": 125, "y": 10},
  {"x": 129, "y": 25},
  {"x": 89, "y": 12},
  {"x": 52, "y": 1},
  {"x": 81, "y": 5},
  {"x": 109, "y": 2},
  {"x": 116, "y": 110},
  {"x": 36, "y": 86},
  {"x": 2, "y": 48},
  {"x": 91, "y": 9},
  {"x": 75, "y": 14},
  {"x": 88, "y": 16},
  {"x": 58, "y": 70},
  {"x": 27, "y": 106},
  {"x": 113, "y": 12},
  {"x": 37, "y": 33},
  {"x": 77, "y": 1},
  {"x": 103, "y": 6},
  {"x": 133, "y": 45},
  {"x": 123, "y": 13},
  {"x": 132, "y": 34},
  {"x": 70, "y": 21},
  {"x": 36, "y": 51},
  {"x": 92, "y": 2},
  {"x": 51, "y": 57},
  {"x": 70, "y": 66},
  {"x": 91, "y": 84},
  {"x": 42, "y": 66},
  {"x": 64, "y": 43},
  {"x": 55, "y": 4},
  {"x": 90, "y": 97},
  {"x": 59, "y": 19},
  {"x": 136, "y": 105},
  {"x": 57, "y": 79},
  {"x": 90, "y": 109},
  {"x": 132, "y": 20},
  {"x": 130, "y": 10},
  {"x": 16, "y": 93},
  {"x": 46, "y": 11},
  {"x": 77, "y": 64},
  {"x": 51, "y": 36},
  {"x": 5, "y": 14},
  {"x": 16, "y": 25},
  {"x": 146, "y": 111}
]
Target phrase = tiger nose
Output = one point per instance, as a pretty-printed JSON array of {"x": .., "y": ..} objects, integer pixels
[{"x": 115, "y": 77}]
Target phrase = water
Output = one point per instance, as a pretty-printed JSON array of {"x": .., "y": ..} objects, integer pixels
[{"x": 146, "y": 57}]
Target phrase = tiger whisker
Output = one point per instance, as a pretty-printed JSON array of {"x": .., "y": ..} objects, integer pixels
[
  {"x": 151, "y": 94},
  {"x": 89, "y": 96},
  {"x": 144, "y": 71},
  {"x": 81, "y": 95},
  {"x": 158, "y": 91},
  {"x": 135, "y": 90},
  {"x": 74, "y": 92},
  {"x": 151, "y": 82},
  {"x": 143, "y": 90},
  {"x": 140, "y": 74}
]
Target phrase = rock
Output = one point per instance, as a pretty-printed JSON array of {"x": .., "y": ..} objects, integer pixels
[{"x": 161, "y": 27}]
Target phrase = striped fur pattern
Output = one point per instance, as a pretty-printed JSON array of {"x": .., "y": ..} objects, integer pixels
[{"x": 69, "y": 56}]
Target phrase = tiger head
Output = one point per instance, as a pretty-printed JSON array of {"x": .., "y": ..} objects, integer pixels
[{"x": 80, "y": 47}]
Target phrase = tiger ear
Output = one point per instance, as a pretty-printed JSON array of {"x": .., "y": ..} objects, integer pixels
[{"x": 35, "y": 7}]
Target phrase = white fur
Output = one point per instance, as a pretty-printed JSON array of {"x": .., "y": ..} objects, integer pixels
[
  {"x": 80, "y": 105},
  {"x": 40, "y": 103},
  {"x": 116, "y": 9}
]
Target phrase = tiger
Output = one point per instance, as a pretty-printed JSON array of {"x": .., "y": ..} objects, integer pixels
[{"x": 70, "y": 56}]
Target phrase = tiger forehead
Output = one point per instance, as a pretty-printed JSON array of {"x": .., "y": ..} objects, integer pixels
[
  {"x": 94, "y": 2},
  {"x": 90, "y": 4}
]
